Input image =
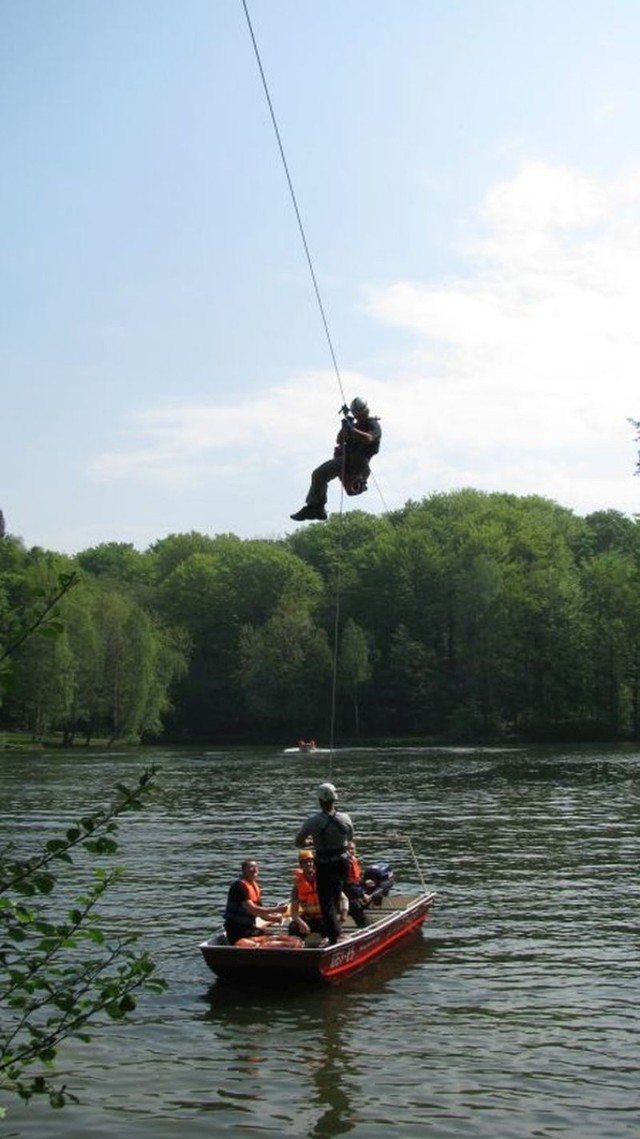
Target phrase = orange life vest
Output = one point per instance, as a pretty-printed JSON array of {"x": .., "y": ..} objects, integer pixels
[
  {"x": 284, "y": 941},
  {"x": 235, "y": 911},
  {"x": 254, "y": 893},
  {"x": 308, "y": 901},
  {"x": 354, "y": 873}
]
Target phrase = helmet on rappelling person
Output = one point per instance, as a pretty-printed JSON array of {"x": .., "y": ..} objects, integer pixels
[{"x": 359, "y": 406}]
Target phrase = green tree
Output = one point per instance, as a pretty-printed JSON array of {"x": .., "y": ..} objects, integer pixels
[
  {"x": 355, "y": 665},
  {"x": 61, "y": 970},
  {"x": 198, "y": 597},
  {"x": 168, "y": 553},
  {"x": 140, "y": 661},
  {"x": 212, "y": 596},
  {"x": 610, "y": 530},
  {"x": 119, "y": 561},
  {"x": 285, "y": 668},
  {"x": 83, "y": 636},
  {"x": 30, "y": 605},
  {"x": 404, "y": 687},
  {"x": 43, "y": 690},
  {"x": 612, "y": 590}
]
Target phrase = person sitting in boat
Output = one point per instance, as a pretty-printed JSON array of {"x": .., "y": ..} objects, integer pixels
[
  {"x": 356, "y": 887},
  {"x": 330, "y": 830},
  {"x": 358, "y": 440},
  {"x": 306, "y": 915},
  {"x": 244, "y": 904}
]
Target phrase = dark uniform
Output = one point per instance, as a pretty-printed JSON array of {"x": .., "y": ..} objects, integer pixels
[
  {"x": 351, "y": 458},
  {"x": 330, "y": 830}
]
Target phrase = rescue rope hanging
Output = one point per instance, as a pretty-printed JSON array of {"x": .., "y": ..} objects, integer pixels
[
  {"x": 294, "y": 200},
  {"x": 325, "y": 324},
  {"x": 316, "y": 288}
]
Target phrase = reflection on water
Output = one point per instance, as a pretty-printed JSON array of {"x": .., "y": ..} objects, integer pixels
[
  {"x": 318, "y": 1024},
  {"x": 513, "y": 1015}
]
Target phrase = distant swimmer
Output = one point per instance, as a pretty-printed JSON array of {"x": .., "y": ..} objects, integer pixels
[{"x": 357, "y": 442}]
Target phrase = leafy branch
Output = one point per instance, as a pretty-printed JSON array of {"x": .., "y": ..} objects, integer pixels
[
  {"x": 46, "y": 621},
  {"x": 58, "y": 976}
]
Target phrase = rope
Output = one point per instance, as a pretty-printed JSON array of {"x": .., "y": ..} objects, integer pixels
[
  {"x": 295, "y": 202},
  {"x": 336, "y": 624},
  {"x": 325, "y": 323},
  {"x": 377, "y": 486}
]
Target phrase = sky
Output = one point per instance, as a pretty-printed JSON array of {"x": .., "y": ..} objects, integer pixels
[{"x": 467, "y": 173}]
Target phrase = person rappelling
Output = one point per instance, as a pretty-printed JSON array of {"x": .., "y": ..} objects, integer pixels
[{"x": 357, "y": 442}]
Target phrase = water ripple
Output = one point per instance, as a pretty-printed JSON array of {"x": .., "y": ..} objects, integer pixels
[{"x": 513, "y": 1016}]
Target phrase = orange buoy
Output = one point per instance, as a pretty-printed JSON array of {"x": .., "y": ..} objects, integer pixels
[{"x": 286, "y": 941}]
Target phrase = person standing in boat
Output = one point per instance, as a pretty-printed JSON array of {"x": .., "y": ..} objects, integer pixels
[
  {"x": 358, "y": 441},
  {"x": 330, "y": 830},
  {"x": 244, "y": 904}
]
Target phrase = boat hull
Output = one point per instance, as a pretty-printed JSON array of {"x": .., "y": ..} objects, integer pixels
[
  {"x": 389, "y": 928},
  {"x": 307, "y": 751}
]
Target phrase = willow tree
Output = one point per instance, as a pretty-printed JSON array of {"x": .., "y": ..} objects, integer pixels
[
  {"x": 355, "y": 665},
  {"x": 214, "y": 597}
]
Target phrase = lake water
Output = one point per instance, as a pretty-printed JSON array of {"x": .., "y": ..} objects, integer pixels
[{"x": 513, "y": 1014}]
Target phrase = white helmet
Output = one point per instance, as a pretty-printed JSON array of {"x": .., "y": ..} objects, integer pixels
[{"x": 327, "y": 793}]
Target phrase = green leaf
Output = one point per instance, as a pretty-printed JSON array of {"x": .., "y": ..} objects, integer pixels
[
  {"x": 54, "y": 845},
  {"x": 49, "y": 632}
]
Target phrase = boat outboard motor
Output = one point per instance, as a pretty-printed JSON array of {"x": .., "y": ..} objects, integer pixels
[{"x": 378, "y": 879}]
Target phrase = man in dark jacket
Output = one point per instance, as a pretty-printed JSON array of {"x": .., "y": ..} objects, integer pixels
[
  {"x": 244, "y": 904},
  {"x": 358, "y": 440},
  {"x": 330, "y": 831}
]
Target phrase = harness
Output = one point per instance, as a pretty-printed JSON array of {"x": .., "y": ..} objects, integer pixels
[{"x": 334, "y": 854}]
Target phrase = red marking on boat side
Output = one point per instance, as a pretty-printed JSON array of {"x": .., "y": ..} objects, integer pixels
[{"x": 377, "y": 949}]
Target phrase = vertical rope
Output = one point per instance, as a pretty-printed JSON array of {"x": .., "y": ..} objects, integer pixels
[
  {"x": 295, "y": 202},
  {"x": 325, "y": 323},
  {"x": 336, "y": 621}
]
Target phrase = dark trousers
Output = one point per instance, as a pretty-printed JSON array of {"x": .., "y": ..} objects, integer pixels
[
  {"x": 332, "y": 469},
  {"x": 357, "y": 911},
  {"x": 316, "y": 925},
  {"x": 320, "y": 480},
  {"x": 236, "y": 930},
  {"x": 330, "y": 881}
]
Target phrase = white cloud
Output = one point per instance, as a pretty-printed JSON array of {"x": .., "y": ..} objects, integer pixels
[
  {"x": 520, "y": 377},
  {"x": 179, "y": 442},
  {"x": 539, "y": 344}
]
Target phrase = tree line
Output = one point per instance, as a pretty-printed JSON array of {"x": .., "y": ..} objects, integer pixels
[{"x": 465, "y": 616}]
